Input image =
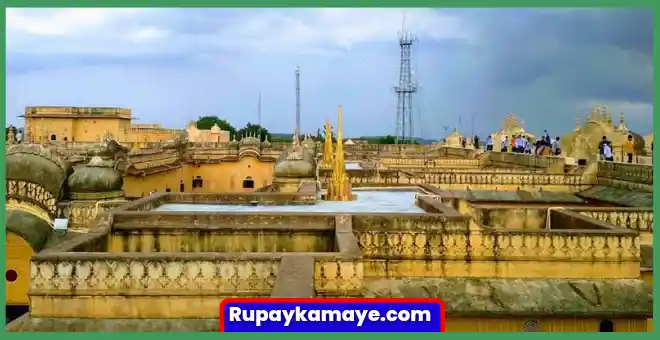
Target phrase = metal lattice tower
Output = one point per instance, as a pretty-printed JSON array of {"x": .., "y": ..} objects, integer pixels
[
  {"x": 404, "y": 91},
  {"x": 298, "y": 101}
]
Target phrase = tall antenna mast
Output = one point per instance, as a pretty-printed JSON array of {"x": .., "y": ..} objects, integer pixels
[
  {"x": 298, "y": 100},
  {"x": 405, "y": 89},
  {"x": 259, "y": 110}
]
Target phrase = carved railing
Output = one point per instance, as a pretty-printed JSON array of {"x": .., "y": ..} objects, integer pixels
[
  {"x": 638, "y": 219},
  {"x": 112, "y": 274},
  {"x": 636, "y": 173},
  {"x": 396, "y": 177},
  {"x": 550, "y": 163},
  {"x": 428, "y": 162},
  {"x": 483, "y": 178},
  {"x": 522, "y": 245}
]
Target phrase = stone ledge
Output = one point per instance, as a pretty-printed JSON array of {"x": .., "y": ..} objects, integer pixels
[
  {"x": 535, "y": 297},
  {"x": 295, "y": 277}
]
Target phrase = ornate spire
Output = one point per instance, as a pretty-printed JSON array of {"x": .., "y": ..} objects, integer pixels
[
  {"x": 622, "y": 123},
  {"x": 339, "y": 188},
  {"x": 327, "y": 147}
]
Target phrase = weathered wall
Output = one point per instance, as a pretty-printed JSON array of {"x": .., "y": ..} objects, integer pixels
[
  {"x": 220, "y": 177},
  {"x": 18, "y": 260},
  {"x": 512, "y": 218},
  {"x": 226, "y": 233}
]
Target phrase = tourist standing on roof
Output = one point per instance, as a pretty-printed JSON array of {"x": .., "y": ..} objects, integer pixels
[{"x": 629, "y": 148}]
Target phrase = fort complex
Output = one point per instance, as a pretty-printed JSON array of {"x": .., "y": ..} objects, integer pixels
[{"x": 119, "y": 227}]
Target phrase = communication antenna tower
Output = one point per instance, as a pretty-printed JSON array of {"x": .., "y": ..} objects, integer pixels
[
  {"x": 405, "y": 90},
  {"x": 298, "y": 101}
]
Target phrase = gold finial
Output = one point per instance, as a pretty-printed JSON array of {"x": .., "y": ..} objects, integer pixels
[
  {"x": 511, "y": 122},
  {"x": 327, "y": 148},
  {"x": 339, "y": 188},
  {"x": 622, "y": 123}
]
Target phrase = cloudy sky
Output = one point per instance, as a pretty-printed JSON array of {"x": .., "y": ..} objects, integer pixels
[{"x": 174, "y": 65}]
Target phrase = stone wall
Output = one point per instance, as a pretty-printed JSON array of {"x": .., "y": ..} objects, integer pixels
[
  {"x": 636, "y": 177},
  {"x": 428, "y": 163},
  {"x": 520, "y": 217},
  {"x": 508, "y": 159},
  {"x": 635, "y": 173},
  {"x": 460, "y": 180},
  {"x": 221, "y": 232}
]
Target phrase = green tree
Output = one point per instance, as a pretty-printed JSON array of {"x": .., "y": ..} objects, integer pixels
[
  {"x": 332, "y": 133},
  {"x": 253, "y": 130},
  {"x": 207, "y": 122},
  {"x": 386, "y": 140}
]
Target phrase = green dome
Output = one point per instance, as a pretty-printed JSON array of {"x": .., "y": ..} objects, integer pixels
[
  {"x": 296, "y": 168},
  {"x": 34, "y": 230},
  {"x": 37, "y": 164},
  {"x": 95, "y": 177}
]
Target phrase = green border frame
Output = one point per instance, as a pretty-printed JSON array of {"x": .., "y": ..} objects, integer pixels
[{"x": 328, "y": 3}]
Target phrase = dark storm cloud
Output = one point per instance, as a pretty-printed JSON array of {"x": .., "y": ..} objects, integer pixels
[
  {"x": 545, "y": 65},
  {"x": 587, "y": 53}
]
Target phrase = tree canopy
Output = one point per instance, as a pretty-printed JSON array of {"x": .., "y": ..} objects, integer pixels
[
  {"x": 253, "y": 130},
  {"x": 207, "y": 122}
]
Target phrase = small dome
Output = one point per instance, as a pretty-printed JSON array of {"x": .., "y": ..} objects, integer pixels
[
  {"x": 233, "y": 143},
  {"x": 309, "y": 143},
  {"x": 297, "y": 168},
  {"x": 250, "y": 141},
  {"x": 215, "y": 129},
  {"x": 33, "y": 229},
  {"x": 37, "y": 164},
  {"x": 295, "y": 164},
  {"x": 95, "y": 177},
  {"x": 266, "y": 142}
]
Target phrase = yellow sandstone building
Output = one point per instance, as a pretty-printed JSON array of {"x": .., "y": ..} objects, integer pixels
[{"x": 123, "y": 236}]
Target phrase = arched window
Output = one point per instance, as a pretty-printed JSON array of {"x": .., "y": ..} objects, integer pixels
[
  {"x": 182, "y": 187},
  {"x": 53, "y": 137},
  {"x": 197, "y": 182},
  {"x": 606, "y": 326},
  {"x": 248, "y": 183}
]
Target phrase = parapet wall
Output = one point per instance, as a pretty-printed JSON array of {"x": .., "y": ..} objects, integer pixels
[
  {"x": 508, "y": 159},
  {"x": 139, "y": 264},
  {"x": 627, "y": 176}
]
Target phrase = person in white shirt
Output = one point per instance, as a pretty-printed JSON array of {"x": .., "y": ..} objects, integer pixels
[
  {"x": 556, "y": 147},
  {"x": 505, "y": 144},
  {"x": 489, "y": 143},
  {"x": 521, "y": 144},
  {"x": 607, "y": 152},
  {"x": 527, "y": 146}
]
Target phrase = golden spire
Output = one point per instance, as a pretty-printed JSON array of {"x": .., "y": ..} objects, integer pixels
[
  {"x": 339, "y": 188},
  {"x": 622, "y": 123},
  {"x": 327, "y": 147}
]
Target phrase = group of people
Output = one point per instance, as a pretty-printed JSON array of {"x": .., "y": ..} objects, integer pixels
[
  {"x": 522, "y": 144},
  {"x": 545, "y": 146},
  {"x": 606, "y": 153}
]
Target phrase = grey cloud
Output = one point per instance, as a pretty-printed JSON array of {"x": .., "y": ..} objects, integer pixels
[{"x": 544, "y": 65}]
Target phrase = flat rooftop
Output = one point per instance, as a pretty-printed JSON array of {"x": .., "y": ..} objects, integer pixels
[{"x": 375, "y": 201}]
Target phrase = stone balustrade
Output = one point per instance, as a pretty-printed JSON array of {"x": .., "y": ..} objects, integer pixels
[
  {"x": 509, "y": 159},
  {"x": 636, "y": 173}
]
